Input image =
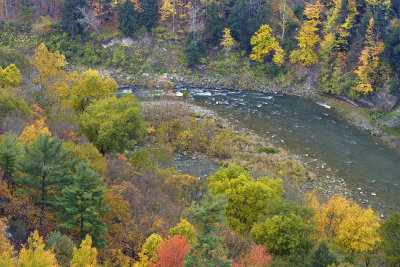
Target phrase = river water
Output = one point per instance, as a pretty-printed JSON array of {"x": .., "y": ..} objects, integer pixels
[{"x": 320, "y": 139}]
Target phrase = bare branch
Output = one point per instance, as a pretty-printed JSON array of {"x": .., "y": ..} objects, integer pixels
[{"x": 89, "y": 19}]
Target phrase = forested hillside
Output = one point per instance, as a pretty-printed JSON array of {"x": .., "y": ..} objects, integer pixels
[{"x": 88, "y": 175}]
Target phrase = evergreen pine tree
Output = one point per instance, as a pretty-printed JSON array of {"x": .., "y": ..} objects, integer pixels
[
  {"x": 194, "y": 49},
  {"x": 322, "y": 256},
  {"x": 45, "y": 165},
  {"x": 207, "y": 216},
  {"x": 149, "y": 15},
  {"x": 213, "y": 25},
  {"x": 259, "y": 19},
  {"x": 62, "y": 246},
  {"x": 70, "y": 15},
  {"x": 238, "y": 23},
  {"x": 128, "y": 18},
  {"x": 80, "y": 204},
  {"x": 8, "y": 158}
]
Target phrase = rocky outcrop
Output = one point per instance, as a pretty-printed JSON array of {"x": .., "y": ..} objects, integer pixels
[{"x": 380, "y": 100}]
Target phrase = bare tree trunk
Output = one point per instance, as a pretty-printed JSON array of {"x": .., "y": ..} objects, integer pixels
[
  {"x": 173, "y": 17},
  {"x": 5, "y": 10},
  {"x": 43, "y": 198},
  {"x": 283, "y": 15}
]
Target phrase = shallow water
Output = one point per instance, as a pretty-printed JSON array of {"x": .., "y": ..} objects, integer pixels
[{"x": 322, "y": 140}]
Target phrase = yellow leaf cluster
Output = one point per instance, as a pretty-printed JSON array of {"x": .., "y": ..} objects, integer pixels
[
  {"x": 150, "y": 248},
  {"x": 185, "y": 229},
  {"x": 313, "y": 12},
  {"x": 307, "y": 38},
  {"x": 36, "y": 254},
  {"x": 368, "y": 62},
  {"x": 6, "y": 249},
  {"x": 32, "y": 131},
  {"x": 85, "y": 256},
  {"x": 85, "y": 87},
  {"x": 167, "y": 9},
  {"x": 10, "y": 76},
  {"x": 346, "y": 224},
  {"x": 227, "y": 41},
  {"x": 344, "y": 30},
  {"x": 264, "y": 44},
  {"x": 49, "y": 65}
]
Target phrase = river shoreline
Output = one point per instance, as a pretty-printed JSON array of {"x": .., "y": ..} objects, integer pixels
[
  {"x": 324, "y": 183},
  {"x": 354, "y": 115}
]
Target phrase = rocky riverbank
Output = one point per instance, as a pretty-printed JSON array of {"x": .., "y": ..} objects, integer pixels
[{"x": 356, "y": 112}]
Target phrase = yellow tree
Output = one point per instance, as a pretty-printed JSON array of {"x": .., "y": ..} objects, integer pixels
[
  {"x": 227, "y": 41},
  {"x": 368, "y": 62},
  {"x": 332, "y": 17},
  {"x": 85, "y": 256},
  {"x": 49, "y": 65},
  {"x": 7, "y": 252},
  {"x": 308, "y": 37},
  {"x": 167, "y": 10},
  {"x": 346, "y": 224},
  {"x": 264, "y": 44},
  {"x": 35, "y": 254},
  {"x": 185, "y": 229},
  {"x": 313, "y": 12},
  {"x": 346, "y": 27},
  {"x": 150, "y": 248},
  {"x": 10, "y": 76},
  {"x": 36, "y": 127},
  {"x": 86, "y": 86}
]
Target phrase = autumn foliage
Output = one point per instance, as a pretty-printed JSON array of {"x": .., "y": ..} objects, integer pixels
[
  {"x": 257, "y": 257},
  {"x": 172, "y": 252}
]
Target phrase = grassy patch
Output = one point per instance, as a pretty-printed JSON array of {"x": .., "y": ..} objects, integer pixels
[
  {"x": 268, "y": 150},
  {"x": 392, "y": 130}
]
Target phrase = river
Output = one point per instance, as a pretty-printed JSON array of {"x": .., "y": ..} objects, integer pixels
[{"x": 320, "y": 138}]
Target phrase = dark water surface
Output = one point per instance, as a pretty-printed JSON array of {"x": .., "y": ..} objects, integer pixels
[{"x": 320, "y": 138}]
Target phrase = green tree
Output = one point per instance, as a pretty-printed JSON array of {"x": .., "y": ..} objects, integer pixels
[
  {"x": 62, "y": 246},
  {"x": 128, "y": 18},
  {"x": 194, "y": 50},
  {"x": 9, "y": 151},
  {"x": 70, "y": 14},
  {"x": 247, "y": 198},
  {"x": 85, "y": 87},
  {"x": 322, "y": 256},
  {"x": 207, "y": 216},
  {"x": 238, "y": 23},
  {"x": 285, "y": 229},
  {"x": 392, "y": 51},
  {"x": 13, "y": 106},
  {"x": 213, "y": 25},
  {"x": 148, "y": 17},
  {"x": 259, "y": 18},
  {"x": 80, "y": 204},
  {"x": 390, "y": 234},
  {"x": 113, "y": 123},
  {"x": 44, "y": 166}
]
